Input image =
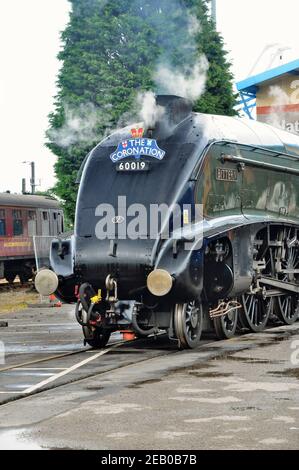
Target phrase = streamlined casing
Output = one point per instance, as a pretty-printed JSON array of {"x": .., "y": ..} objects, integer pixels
[{"x": 236, "y": 203}]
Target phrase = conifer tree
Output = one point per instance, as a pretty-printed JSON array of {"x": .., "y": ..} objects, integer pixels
[{"x": 110, "y": 51}]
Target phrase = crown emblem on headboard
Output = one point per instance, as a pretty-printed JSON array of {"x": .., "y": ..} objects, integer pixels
[{"x": 137, "y": 133}]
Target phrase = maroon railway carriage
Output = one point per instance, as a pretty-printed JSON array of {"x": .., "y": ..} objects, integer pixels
[{"x": 21, "y": 218}]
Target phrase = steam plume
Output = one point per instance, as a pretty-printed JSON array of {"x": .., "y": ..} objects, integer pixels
[
  {"x": 150, "y": 111},
  {"x": 280, "y": 98},
  {"x": 179, "y": 71},
  {"x": 188, "y": 83},
  {"x": 81, "y": 125}
]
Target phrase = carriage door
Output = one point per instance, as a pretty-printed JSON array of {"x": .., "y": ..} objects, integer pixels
[
  {"x": 45, "y": 223},
  {"x": 32, "y": 223},
  {"x": 60, "y": 222},
  {"x": 56, "y": 223}
]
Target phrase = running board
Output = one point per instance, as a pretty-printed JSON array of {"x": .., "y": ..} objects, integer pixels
[
  {"x": 285, "y": 286},
  {"x": 272, "y": 293}
]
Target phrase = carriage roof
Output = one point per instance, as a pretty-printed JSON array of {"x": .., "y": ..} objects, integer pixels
[{"x": 32, "y": 201}]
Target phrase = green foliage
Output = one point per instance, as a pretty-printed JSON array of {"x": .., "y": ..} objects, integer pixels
[
  {"x": 47, "y": 193},
  {"x": 109, "y": 54}
]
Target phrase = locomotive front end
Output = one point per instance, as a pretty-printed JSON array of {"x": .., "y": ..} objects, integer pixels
[{"x": 134, "y": 208}]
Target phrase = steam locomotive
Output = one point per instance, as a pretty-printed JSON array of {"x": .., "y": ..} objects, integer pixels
[{"x": 185, "y": 225}]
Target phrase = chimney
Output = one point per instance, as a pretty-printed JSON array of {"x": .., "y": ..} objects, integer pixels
[{"x": 176, "y": 108}]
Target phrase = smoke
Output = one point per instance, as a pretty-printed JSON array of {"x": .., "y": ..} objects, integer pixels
[
  {"x": 280, "y": 98},
  {"x": 81, "y": 125},
  {"x": 177, "y": 68},
  {"x": 150, "y": 111},
  {"x": 79, "y": 9},
  {"x": 186, "y": 79},
  {"x": 180, "y": 70},
  {"x": 188, "y": 83},
  {"x": 193, "y": 25}
]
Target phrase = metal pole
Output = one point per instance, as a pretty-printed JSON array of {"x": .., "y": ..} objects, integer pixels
[
  {"x": 32, "y": 181},
  {"x": 214, "y": 11}
]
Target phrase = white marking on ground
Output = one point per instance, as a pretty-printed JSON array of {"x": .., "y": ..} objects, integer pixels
[
  {"x": 116, "y": 408},
  {"x": 217, "y": 418},
  {"x": 19, "y": 386},
  {"x": 228, "y": 380},
  {"x": 20, "y": 373},
  {"x": 103, "y": 407},
  {"x": 172, "y": 434},
  {"x": 40, "y": 368},
  {"x": 12, "y": 440},
  {"x": 237, "y": 430},
  {"x": 120, "y": 435},
  {"x": 193, "y": 390},
  {"x": 284, "y": 419},
  {"x": 266, "y": 386},
  {"x": 69, "y": 370},
  {"x": 272, "y": 441},
  {"x": 207, "y": 400}
]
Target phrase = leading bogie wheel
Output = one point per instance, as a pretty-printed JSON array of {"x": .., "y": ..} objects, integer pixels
[
  {"x": 97, "y": 338},
  {"x": 188, "y": 320},
  {"x": 10, "y": 277}
]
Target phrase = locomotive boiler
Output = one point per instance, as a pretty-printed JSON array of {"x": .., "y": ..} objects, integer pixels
[{"x": 181, "y": 226}]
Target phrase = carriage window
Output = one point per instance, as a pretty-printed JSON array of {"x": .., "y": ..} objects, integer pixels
[
  {"x": 17, "y": 223},
  {"x": 60, "y": 222},
  {"x": 45, "y": 215},
  {"x": 55, "y": 215},
  {"x": 2, "y": 228},
  {"x": 31, "y": 215},
  {"x": 2, "y": 223},
  {"x": 17, "y": 214}
]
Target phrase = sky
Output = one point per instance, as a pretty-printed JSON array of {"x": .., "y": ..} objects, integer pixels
[{"x": 29, "y": 43}]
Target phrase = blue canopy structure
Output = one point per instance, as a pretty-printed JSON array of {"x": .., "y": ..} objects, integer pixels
[{"x": 249, "y": 87}]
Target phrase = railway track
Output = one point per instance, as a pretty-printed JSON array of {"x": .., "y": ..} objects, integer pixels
[
  {"x": 62, "y": 369},
  {"x": 15, "y": 286},
  {"x": 90, "y": 389},
  {"x": 59, "y": 370},
  {"x": 44, "y": 350}
]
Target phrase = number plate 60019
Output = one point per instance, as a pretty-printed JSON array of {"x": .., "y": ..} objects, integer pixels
[{"x": 132, "y": 166}]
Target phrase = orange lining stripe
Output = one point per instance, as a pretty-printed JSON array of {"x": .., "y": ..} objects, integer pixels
[{"x": 286, "y": 108}]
